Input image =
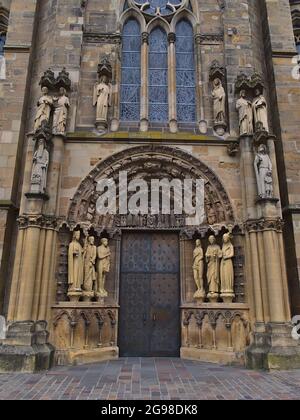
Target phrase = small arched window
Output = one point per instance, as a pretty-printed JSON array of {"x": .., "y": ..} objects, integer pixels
[
  {"x": 158, "y": 76},
  {"x": 185, "y": 73},
  {"x": 131, "y": 72}
]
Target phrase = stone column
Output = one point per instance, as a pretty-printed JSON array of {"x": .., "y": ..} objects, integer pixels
[
  {"x": 172, "y": 83},
  {"x": 200, "y": 93},
  {"x": 144, "y": 124},
  {"x": 115, "y": 121}
]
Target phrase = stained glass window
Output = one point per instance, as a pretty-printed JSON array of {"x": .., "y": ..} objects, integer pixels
[
  {"x": 2, "y": 43},
  {"x": 131, "y": 72},
  {"x": 158, "y": 76},
  {"x": 185, "y": 73}
]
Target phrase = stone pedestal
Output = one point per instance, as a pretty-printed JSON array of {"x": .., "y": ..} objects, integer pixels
[
  {"x": 26, "y": 348},
  {"x": 273, "y": 348}
]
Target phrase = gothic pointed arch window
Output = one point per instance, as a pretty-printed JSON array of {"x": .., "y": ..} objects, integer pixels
[
  {"x": 158, "y": 76},
  {"x": 131, "y": 72},
  {"x": 185, "y": 73}
]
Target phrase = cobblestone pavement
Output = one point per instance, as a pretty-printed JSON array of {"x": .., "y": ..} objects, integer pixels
[{"x": 148, "y": 379}]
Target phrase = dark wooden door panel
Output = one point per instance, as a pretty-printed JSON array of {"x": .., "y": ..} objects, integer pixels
[{"x": 149, "y": 298}]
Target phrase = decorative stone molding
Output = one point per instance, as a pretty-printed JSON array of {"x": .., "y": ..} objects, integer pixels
[
  {"x": 40, "y": 221},
  {"x": 249, "y": 83},
  {"x": 261, "y": 225},
  {"x": 92, "y": 37},
  {"x": 209, "y": 39},
  {"x": 55, "y": 83},
  {"x": 149, "y": 161}
]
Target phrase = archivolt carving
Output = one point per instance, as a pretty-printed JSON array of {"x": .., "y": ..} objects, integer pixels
[{"x": 150, "y": 162}]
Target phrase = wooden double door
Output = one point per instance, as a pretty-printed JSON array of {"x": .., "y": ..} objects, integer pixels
[{"x": 149, "y": 324}]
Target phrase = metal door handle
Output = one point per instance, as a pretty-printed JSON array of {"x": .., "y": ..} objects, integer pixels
[
  {"x": 144, "y": 319},
  {"x": 154, "y": 317}
]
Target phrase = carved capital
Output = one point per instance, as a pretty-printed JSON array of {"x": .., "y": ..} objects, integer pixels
[
  {"x": 43, "y": 222},
  {"x": 260, "y": 225},
  {"x": 172, "y": 37},
  {"x": 145, "y": 38}
]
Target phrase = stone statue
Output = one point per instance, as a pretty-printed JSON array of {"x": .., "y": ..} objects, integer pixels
[
  {"x": 89, "y": 256},
  {"x": 211, "y": 215},
  {"x": 260, "y": 110},
  {"x": 45, "y": 105},
  {"x": 227, "y": 270},
  {"x": 75, "y": 265},
  {"x": 102, "y": 98},
  {"x": 62, "y": 106},
  {"x": 40, "y": 168},
  {"x": 103, "y": 267},
  {"x": 264, "y": 171},
  {"x": 219, "y": 98},
  {"x": 244, "y": 108},
  {"x": 213, "y": 255},
  {"x": 198, "y": 270}
]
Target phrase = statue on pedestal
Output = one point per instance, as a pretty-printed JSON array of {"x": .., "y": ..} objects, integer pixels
[
  {"x": 227, "y": 270},
  {"x": 244, "y": 108},
  {"x": 45, "y": 105},
  {"x": 40, "y": 168},
  {"x": 89, "y": 257},
  {"x": 213, "y": 255},
  {"x": 102, "y": 100},
  {"x": 198, "y": 270},
  {"x": 75, "y": 264},
  {"x": 103, "y": 268},
  {"x": 62, "y": 106},
  {"x": 264, "y": 173},
  {"x": 219, "y": 100},
  {"x": 260, "y": 110}
]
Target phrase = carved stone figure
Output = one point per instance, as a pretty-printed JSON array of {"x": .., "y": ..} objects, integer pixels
[
  {"x": 102, "y": 98},
  {"x": 103, "y": 267},
  {"x": 75, "y": 259},
  {"x": 89, "y": 255},
  {"x": 211, "y": 215},
  {"x": 263, "y": 169},
  {"x": 62, "y": 105},
  {"x": 244, "y": 108},
  {"x": 45, "y": 105},
  {"x": 260, "y": 110},
  {"x": 227, "y": 270},
  {"x": 40, "y": 168},
  {"x": 198, "y": 270},
  {"x": 219, "y": 98},
  {"x": 213, "y": 255}
]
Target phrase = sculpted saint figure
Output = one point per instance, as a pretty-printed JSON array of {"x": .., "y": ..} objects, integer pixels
[
  {"x": 244, "y": 108},
  {"x": 219, "y": 98},
  {"x": 198, "y": 269},
  {"x": 260, "y": 110},
  {"x": 40, "y": 168},
  {"x": 90, "y": 255},
  {"x": 103, "y": 267},
  {"x": 62, "y": 106},
  {"x": 45, "y": 105},
  {"x": 75, "y": 264},
  {"x": 227, "y": 270},
  {"x": 263, "y": 170},
  {"x": 102, "y": 98},
  {"x": 213, "y": 255}
]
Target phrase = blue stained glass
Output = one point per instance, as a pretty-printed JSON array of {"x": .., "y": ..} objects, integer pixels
[
  {"x": 185, "y": 72},
  {"x": 2, "y": 43},
  {"x": 158, "y": 76},
  {"x": 131, "y": 72}
]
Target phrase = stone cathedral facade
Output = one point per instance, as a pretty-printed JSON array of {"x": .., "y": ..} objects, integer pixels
[{"x": 187, "y": 89}]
